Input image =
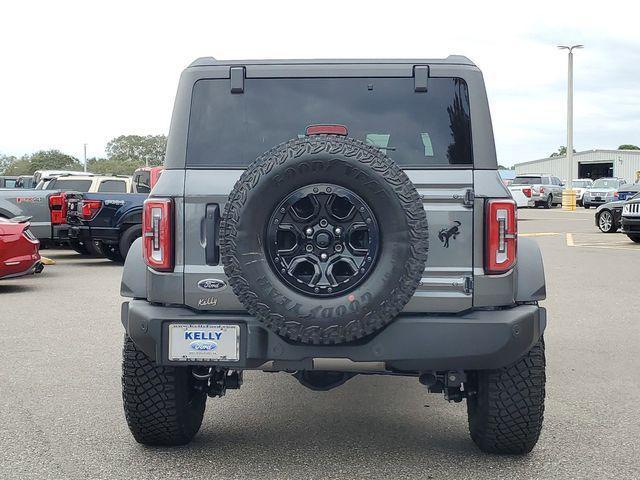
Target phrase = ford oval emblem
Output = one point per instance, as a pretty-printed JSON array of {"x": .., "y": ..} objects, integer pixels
[
  {"x": 212, "y": 284},
  {"x": 203, "y": 345}
]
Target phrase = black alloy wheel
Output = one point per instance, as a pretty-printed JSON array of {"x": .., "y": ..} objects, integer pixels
[{"x": 323, "y": 240}]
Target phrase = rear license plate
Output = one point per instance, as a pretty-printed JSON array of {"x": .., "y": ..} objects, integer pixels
[{"x": 204, "y": 342}]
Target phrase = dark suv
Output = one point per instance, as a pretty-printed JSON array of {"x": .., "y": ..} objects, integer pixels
[{"x": 327, "y": 219}]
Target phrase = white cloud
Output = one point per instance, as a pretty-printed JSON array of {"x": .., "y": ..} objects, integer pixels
[{"x": 76, "y": 72}]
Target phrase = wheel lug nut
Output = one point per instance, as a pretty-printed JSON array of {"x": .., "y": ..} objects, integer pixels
[
  {"x": 338, "y": 230},
  {"x": 323, "y": 223},
  {"x": 323, "y": 256},
  {"x": 309, "y": 231},
  {"x": 309, "y": 248},
  {"x": 338, "y": 248}
]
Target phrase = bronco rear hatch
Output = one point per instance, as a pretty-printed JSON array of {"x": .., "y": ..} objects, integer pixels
[{"x": 423, "y": 123}]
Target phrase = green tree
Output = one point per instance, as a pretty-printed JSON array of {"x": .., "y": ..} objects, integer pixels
[
  {"x": 562, "y": 151},
  {"x": 108, "y": 166},
  {"x": 53, "y": 160},
  {"x": 18, "y": 166},
  {"x": 137, "y": 148},
  {"x": 628, "y": 146},
  {"x": 5, "y": 162}
]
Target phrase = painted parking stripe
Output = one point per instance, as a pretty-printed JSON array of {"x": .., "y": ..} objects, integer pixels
[{"x": 538, "y": 234}]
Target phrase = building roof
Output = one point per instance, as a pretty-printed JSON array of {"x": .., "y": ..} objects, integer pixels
[{"x": 584, "y": 152}]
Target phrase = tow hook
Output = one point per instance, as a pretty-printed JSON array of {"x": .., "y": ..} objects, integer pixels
[
  {"x": 451, "y": 383},
  {"x": 216, "y": 380}
]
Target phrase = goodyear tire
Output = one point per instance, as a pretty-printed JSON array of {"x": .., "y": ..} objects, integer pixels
[
  {"x": 161, "y": 404},
  {"x": 506, "y": 411},
  {"x": 324, "y": 171}
]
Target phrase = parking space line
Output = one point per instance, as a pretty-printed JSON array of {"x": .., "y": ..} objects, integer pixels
[
  {"x": 538, "y": 234},
  {"x": 607, "y": 245},
  {"x": 570, "y": 240}
]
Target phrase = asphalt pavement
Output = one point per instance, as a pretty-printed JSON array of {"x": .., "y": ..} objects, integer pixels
[{"x": 61, "y": 412}]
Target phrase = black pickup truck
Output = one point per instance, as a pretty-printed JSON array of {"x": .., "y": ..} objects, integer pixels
[{"x": 111, "y": 220}]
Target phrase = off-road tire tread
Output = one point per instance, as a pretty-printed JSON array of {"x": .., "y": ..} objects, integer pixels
[
  {"x": 506, "y": 416},
  {"x": 155, "y": 400},
  {"x": 412, "y": 205}
]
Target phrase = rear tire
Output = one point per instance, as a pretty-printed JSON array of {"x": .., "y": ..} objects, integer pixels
[
  {"x": 634, "y": 238},
  {"x": 549, "y": 203},
  {"x": 127, "y": 238},
  {"x": 161, "y": 404},
  {"x": 505, "y": 415}
]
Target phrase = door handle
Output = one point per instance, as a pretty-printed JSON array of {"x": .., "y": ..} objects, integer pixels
[{"x": 212, "y": 224}]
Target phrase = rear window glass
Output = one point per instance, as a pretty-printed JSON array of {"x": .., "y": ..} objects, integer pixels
[
  {"x": 527, "y": 180},
  {"x": 142, "y": 181},
  {"x": 69, "y": 184},
  {"x": 416, "y": 129},
  {"x": 113, "y": 186}
]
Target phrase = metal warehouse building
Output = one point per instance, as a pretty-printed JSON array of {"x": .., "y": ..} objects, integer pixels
[{"x": 591, "y": 164}]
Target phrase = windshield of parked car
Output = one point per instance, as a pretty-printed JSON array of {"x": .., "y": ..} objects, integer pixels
[
  {"x": 415, "y": 129},
  {"x": 527, "y": 180},
  {"x": 606, "y": 183},
  {"x": 581, "y": 183},
  {"x": 69, "y": 184}
]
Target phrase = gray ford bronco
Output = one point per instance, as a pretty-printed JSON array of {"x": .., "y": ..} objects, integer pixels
[{"x": 329, "y": 218}]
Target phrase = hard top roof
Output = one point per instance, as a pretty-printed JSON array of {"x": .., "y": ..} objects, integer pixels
[{"x": 450, "y": 60}]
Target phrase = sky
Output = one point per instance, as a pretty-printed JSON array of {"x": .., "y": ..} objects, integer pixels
[{"x": 85, "y": 72}]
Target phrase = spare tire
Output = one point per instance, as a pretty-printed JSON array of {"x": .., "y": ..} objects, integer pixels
[{"x": 324, "y": 239}]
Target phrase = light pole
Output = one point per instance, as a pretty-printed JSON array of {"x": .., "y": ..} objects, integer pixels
[
  {"x": 570, "y": 114},
  {"x": 85, "y": 157}
]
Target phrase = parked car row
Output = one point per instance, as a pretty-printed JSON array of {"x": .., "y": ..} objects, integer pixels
[
  {"x": 535, "y": 190},
  {"x": 110, "y": 213}
]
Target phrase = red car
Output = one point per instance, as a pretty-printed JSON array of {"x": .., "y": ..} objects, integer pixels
[{"x": 18, "y": 248}]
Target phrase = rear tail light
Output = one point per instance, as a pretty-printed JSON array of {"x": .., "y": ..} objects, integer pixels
[
  {"x": 541, "y": 189},
  {"x": 157, "y": 233},
  {"x": 58, "y": 208},
  {"x": 89, "y": 208},
  {"x": 527, "y": 192},
  {"x": 501, "y": 236}
]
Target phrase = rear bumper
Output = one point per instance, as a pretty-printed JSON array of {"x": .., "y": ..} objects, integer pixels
[
  {"x": 480, "y": 339},
  {"x": 60, "y": 233}
]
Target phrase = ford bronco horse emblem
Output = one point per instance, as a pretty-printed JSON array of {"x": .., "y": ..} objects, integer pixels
[{"x": 449, "y": 232}]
